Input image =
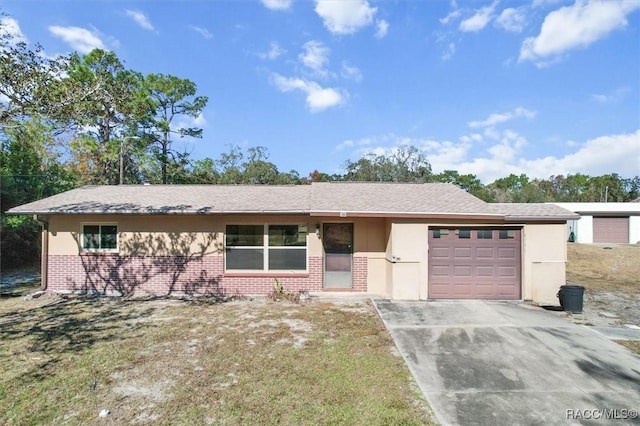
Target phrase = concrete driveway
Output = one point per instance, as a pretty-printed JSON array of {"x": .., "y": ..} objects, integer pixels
[{"x": 502, "y": 363}]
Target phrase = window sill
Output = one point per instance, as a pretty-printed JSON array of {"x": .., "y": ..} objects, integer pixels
[
  {"x": 99, "y": 253},
  {"x": 267, "y": 274}
]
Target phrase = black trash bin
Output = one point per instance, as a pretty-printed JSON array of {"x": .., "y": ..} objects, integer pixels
[{"x": 571, "y": 297}]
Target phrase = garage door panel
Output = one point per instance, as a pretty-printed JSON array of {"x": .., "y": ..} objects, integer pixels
[
  {"x": 484, "y": 291},
  {"x": 440, "y": 253},
  {"x": 484, "y": 271},
  {"x": 610, "y": 229},
  {"x": 483, "y": 266},
  {"x": 504, "y": 292},
  {"x": 462, "y": 289},
  {"x": 440, "y": 270},
  {"x": 507, "y": 272},
  {"x": 462, "y": 252},
  {"x": 508, "y": 253},
  {"x": 485, "y": 253},
  {"x": 462, "y": 271}
]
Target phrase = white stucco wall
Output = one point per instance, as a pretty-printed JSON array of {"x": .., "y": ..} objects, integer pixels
[
  {"x": 544, "y": 258},
  {"x": 634, "y": 229},
  {"x": 583, "y": 228},
  {"x": 409, "y": 260}
]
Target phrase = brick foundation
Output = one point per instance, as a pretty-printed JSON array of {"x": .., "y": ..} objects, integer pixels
[{"x": 161, "y": 275}]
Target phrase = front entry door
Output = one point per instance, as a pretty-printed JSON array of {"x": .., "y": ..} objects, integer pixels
[{"x": 337, "y": 239}]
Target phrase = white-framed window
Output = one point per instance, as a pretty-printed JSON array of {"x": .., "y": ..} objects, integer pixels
[
  {"x": 100, "y": 237},
  {"x": 266, "y": 247}
]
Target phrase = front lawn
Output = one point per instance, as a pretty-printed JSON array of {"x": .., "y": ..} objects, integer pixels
[{"x": 63, "y": 360}]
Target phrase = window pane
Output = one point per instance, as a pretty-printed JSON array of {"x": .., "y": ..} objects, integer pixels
[
  {"x": 508, "y": 234},
  {"x": 485, "y": 234},
  {"x": 245, "y": 235},
  {"x": 250, "y": 259},
  {"x": 464, "y": 233},
  {"x": 288, "y": 259},
  {"x": 108, "y": 237},
  {"x": 439, "y": 233},
  {"x": 90, "y": 237},
  {"x": 286, "y": 235}
]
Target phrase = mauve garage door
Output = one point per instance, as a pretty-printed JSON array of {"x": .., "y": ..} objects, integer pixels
[
  {"x": 610, "y": 229},
  {"x": 474, "y": 263}
]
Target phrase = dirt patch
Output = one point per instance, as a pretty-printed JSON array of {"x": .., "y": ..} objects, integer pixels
[
  {"x": 607, "y": 309},
  {"x": 611, "y": 277},
  {"x": 188, "y": 362}
]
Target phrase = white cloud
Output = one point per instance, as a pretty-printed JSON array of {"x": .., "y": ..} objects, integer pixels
[
  {"x": 351, "y": 73},
  {"x": 345, "y": 17},
  {"x": 277, "y": 4},
  {"x": 318, "y": 98},
  {"x": 614, "y": 96},
  {"x": 444, "y": 155},
  {"x": 349, "y": 143},
  {"x": 619, "y": 153},
  {"x": 12, "y": 27},
  {"x": 273, "y": 53},
  {"x": 512, "y": 20},
  {"x": 80, "y": 39},
  {"x": 455, "y": 14},
  {"x": 140, "y": 19},
  {"x": 448, "y": 53},
  {"x": 315, "y": 57},
  {"x": 202, "y": 31},
  {"x": 479, "y": 20},
  {"x": 575, "y": 26},
  {"x": 605, "y": 154},
  {"x": 498, "y": 118},
  {"x": 382, "y": 28},
  {"x": 186, "y": 122},
  {"x": 200, "y": 121}
]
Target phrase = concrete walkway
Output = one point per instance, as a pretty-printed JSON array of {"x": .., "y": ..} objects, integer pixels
[{"x": 502, "y": 363}]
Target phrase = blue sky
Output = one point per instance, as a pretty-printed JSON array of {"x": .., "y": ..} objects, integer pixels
[{"x": 542, "y": 87}]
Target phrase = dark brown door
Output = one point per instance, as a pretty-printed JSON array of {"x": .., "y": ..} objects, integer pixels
[
  {"x": 474, "y": 263},
  {"x": 610, "y": 229}
]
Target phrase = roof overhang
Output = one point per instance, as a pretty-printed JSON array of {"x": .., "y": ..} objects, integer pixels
[
  {"x": 545, "y": 219},
  {"x": 416, "y": 215}
]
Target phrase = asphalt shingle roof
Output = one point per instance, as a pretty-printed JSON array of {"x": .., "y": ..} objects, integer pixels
[
  {"x": 532, "y": 211},
  {"x": 416, "y": 198},
  {"x": 351, "y": 198}
]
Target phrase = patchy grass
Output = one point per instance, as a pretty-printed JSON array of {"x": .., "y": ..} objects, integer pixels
[
  {"x": 609, "y": 268},
  {"x": 632, "y": 345},
  {"x": 19, "y": 281},
  {"x": 62, "y": 360}
]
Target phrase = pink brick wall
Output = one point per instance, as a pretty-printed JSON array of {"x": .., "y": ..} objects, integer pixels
[{"x": 161, "y": 275}]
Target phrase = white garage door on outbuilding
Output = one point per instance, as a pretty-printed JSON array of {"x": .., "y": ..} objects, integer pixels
[
  {"x": 608, "y": 229},
  {"x": 474, "y": 263}
]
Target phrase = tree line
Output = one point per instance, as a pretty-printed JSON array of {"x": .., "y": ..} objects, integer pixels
[{"x": 64, "y": 122}]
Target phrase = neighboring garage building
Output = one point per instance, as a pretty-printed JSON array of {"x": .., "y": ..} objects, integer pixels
[
  {"x": 401, "y": 241},
  {"x": 605, "y": 222}
]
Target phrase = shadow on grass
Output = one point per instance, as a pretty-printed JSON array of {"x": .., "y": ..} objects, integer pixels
[{"x": 70, "y": 325}]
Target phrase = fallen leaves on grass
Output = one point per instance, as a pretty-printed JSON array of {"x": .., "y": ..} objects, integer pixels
[{"x": 175, "y": 362}]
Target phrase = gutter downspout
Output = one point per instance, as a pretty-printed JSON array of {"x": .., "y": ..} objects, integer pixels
[{"x": 44, "y": 256}]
